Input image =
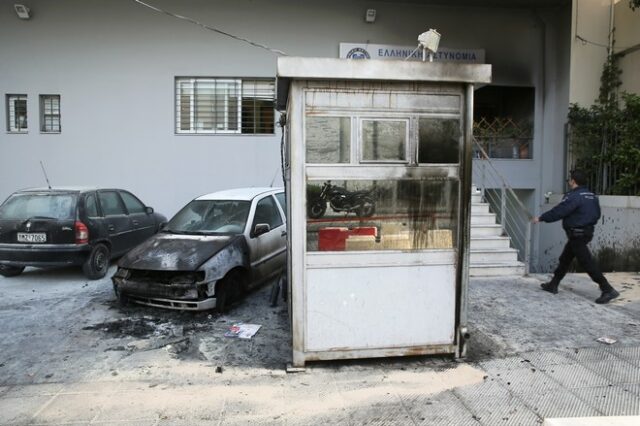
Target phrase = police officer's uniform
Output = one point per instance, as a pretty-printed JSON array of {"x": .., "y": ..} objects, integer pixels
[{"x": 579, "y": 211}]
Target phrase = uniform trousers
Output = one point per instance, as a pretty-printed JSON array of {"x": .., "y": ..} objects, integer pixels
[{"x": 577, "y": 247}]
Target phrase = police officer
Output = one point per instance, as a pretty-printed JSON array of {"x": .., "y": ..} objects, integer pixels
[{"x": 579, "y": 211}]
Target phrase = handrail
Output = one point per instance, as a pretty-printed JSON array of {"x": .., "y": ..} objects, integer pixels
[
  {"x": 504, "y": 181},
  {"x": 514, "y": 217}
]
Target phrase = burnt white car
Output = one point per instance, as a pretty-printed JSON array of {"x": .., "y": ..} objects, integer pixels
[{"x": 210, "y": 253}]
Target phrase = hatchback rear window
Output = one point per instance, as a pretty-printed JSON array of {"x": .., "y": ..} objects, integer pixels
[{"x": 42, "y": 206}]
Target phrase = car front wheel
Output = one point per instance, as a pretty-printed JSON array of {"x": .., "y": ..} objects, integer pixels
[
  {"x": 10, "y": 271},
  {"x": 97, "y": 264},
  {"x": 228, "y": 289}
]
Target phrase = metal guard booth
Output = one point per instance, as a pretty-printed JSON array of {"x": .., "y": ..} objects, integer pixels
[{"x": 378, "y": 180}]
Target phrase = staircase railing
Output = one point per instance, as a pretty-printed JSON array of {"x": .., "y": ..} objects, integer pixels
[{"x": 513, "y": 216}]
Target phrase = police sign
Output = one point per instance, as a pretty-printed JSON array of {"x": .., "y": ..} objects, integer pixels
[{"x": 391, "y": 52}]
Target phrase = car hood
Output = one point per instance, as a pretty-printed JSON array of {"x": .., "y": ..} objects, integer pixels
[{"x": 171, "y": 252}]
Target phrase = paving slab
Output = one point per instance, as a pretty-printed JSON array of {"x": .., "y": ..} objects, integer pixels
[{"x": 75, "y": 357}]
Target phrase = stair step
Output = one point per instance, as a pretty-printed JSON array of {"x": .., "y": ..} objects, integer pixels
[
  {"x": 489, "y": 242},
  {"x": 503, "y": 255},
  {"x": 483, "y": 219},
  {"x": 496, "y": 269},
  {"x": 476, "y": 198},
  {"x": 479, "y": 208},
  {"x": 485, "y": 230}
]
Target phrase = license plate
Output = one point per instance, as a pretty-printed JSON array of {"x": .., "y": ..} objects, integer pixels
[{"x": 36, "y": 237}]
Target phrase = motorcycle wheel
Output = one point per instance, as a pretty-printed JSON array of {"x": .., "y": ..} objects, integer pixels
[
  {"x": 366, "y": 208},
  {"x": 317, "y": 209}
]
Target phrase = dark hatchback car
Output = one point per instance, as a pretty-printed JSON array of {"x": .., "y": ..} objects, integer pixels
[{"x": 72, "y": 226}]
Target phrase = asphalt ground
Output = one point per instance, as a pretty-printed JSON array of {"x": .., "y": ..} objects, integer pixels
[{"x": 70, "y": 355}]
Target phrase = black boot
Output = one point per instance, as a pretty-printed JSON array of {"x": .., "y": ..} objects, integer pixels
[
  {"x": 551, "y": 286},
  {"x": 607, "y": 296}
]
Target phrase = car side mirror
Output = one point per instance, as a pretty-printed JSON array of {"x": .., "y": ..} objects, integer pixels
[
  {"x": 261, "y": 228},
  {"x": 149, "y": 210}
]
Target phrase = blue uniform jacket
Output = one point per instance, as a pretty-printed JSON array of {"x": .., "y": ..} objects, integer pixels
[{"x": 579, "y": 208}]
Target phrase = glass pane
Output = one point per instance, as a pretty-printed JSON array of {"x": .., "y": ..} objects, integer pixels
[
  {"x": 384, "y": 140},
  {"x": 210, "y": 217},
  {"x": 133, "y": 204},
  {"x": 439, "y": 140},
  {"x": 25, "y": 206},
  {"x": 403, "y": 214},
  {"x": 267, "y": 212},
  {"x": 110, "y": 203},
  {"x": 282, "y": 199},
  {"x": 90, "y": 206},
  {"x": 328, "y": 139}
]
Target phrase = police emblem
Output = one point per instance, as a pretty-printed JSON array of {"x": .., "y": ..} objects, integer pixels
[{"x": 358, "y": 53}]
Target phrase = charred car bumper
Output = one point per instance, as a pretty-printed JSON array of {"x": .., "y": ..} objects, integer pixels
[
  {"x": 42, "y": 255},
  {"x": 164, "y": 289}
]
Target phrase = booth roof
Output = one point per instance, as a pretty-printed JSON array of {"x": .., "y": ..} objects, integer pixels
[{"x": 289, "y": 68}]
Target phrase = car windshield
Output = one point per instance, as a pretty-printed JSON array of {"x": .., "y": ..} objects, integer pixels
[
  {"x": 210, "y": 217},
  {"x": 39, "y": 206}
]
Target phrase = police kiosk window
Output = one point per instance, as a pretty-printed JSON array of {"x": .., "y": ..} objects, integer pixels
[{"x": 381, "y": 181}]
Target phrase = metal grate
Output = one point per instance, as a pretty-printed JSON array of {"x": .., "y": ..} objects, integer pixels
[
  {"x": 224, "y": 106},
  {"x": 504, "y": 137},
  {"x": 16, "y": 113}
]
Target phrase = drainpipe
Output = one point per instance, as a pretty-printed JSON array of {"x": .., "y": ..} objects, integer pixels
[
  {"x": 603, "y": 166},
  {"x": 543, "y": 97}
]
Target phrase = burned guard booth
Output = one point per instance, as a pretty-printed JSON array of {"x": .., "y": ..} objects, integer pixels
[{"x": 378, "y": 180}]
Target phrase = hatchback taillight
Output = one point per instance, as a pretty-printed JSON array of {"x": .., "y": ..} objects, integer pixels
[{"x": 82, "y": 233}]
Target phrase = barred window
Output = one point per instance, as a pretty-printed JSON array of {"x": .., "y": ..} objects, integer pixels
[
  {"x": 17, "y": 113},
  {"x": 50, "y": 113},
  {"x": 224, "y": 106}
]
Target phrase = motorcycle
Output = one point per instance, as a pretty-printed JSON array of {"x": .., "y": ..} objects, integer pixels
[{"x": 341, "y": 200}]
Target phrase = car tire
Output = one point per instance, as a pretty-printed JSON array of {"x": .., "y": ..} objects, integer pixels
[
  {"x": 97, "y": 264},
  {"x": 10, "y": 271},
  {"x": 228, "y": 290}
]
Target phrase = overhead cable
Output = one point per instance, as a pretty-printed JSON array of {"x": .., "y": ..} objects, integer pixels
[{"x": 207, "y": 27}]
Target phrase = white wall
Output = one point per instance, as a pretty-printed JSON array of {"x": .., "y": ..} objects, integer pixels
[
  {"x": 627, "y": 24},
  {"x": 616, "y": 241},
  {"x": 114, "y": 63},
  {"x": 591, "y": 21}
]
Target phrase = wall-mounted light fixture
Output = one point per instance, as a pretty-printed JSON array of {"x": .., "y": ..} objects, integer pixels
[
  {"x": 370, "y": 16},
  {"x": 22, "y": 11},
  {"x": 429, "y": 42}
]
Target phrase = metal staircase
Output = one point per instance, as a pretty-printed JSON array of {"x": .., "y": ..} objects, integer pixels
[
  {"x": 491, "y": 253},
  {"x": 500, "y": 223}
]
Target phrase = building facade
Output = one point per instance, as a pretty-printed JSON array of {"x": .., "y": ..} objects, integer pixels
[{"x": 114, "y": 93}]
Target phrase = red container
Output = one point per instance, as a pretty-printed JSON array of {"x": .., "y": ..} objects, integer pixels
[{"x": 334, "y": 238}]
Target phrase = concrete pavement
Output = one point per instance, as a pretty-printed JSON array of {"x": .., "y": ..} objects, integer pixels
[{"x": 70, "y": 355}]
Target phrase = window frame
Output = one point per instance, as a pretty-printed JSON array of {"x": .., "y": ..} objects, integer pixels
[
  {"x": 11, "y": 99},
  {"x": 191, "y": 91},
  {"x": 44, "y": 115}
]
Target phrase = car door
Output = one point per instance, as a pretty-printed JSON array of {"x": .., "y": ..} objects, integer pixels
[
  {"x": 144, "y": 224},
  {"x": 267, "y": 250},
  {"x": 116, "y": 220}
]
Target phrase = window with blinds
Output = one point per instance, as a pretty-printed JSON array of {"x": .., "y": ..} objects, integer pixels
[
  {"x": 17, "y": 113},
  {"x": 50, "y": 114},
  {"x": 224, "y": 106}
]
